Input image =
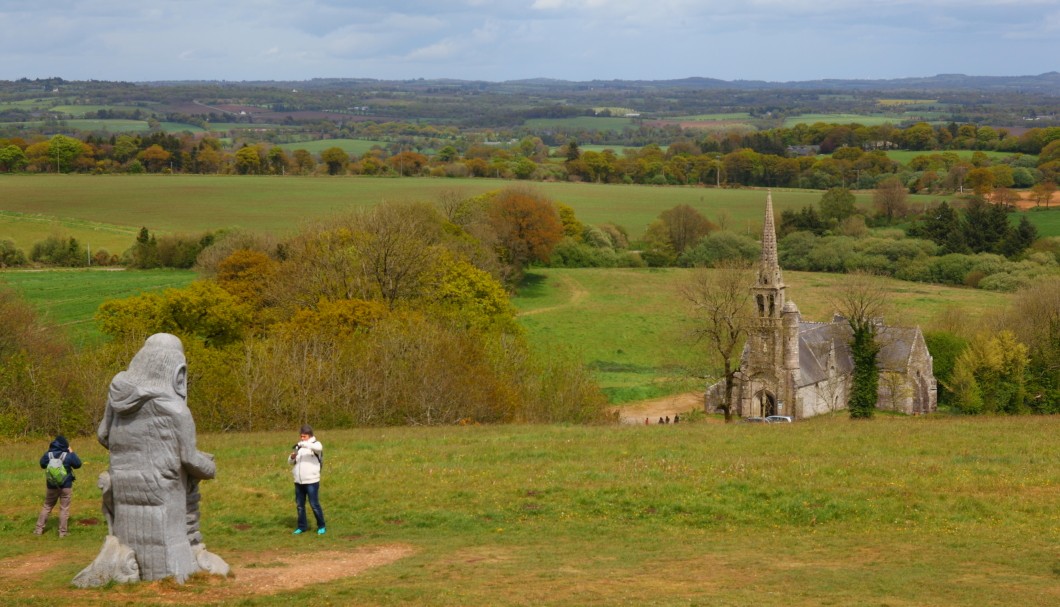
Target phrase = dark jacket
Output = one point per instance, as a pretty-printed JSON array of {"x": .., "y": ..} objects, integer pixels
[{"x": 59, "y": 445}]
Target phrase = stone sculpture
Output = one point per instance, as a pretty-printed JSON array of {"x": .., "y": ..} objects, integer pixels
[{"x": 151, "y": 491}]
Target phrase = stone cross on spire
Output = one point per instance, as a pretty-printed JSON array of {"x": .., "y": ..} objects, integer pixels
[{"x": 769, "y": 270}]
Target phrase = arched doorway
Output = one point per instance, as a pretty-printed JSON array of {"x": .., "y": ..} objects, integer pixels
[{"x": 766, "y": 403}]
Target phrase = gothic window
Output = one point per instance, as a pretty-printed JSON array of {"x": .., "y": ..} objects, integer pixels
[
  {"x": 772, "y": 308},
  {"x": 761, "y": 306}
]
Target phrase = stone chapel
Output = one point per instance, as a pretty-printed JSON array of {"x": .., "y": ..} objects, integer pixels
[{"x": 799, "y": 368}]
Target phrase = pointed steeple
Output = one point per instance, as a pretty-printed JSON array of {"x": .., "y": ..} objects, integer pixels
[{"x": 769, "y": 269}]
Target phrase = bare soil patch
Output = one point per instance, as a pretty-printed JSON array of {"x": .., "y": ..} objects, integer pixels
[
  {"x": 252, "y": 574},
  {"x": 667, "y": 406},
  {"x": 278, "y": 573}
]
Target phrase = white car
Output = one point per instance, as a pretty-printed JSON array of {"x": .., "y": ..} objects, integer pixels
[{"x": 779, "y": 419}]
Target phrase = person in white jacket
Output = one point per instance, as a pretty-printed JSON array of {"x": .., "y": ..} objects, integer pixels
[{"x": 305, "y": 460}]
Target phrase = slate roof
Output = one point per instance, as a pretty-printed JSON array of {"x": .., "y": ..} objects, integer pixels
[{"x": 817, "y": 339}]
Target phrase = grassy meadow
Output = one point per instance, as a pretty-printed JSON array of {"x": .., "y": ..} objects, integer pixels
[
  {"x": 196, "y": 203},
  {"x": 350, "y": 146},
  {"x": 896, "y": 511},
  {"x": 69, "y": 297},
  {"x": 633, "y": 329}
]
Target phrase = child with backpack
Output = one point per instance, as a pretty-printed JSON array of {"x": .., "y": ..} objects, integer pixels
[{"x": 58, "y": 463}]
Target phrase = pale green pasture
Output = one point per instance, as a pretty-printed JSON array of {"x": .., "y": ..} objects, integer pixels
[
  {"x": 588, "y": 123},
  {"x": 69, "y": 297},
  {"x": 350, "y": 146},
  {"x": 632, "y": 327},
  {"x": 866, "y": 120},
  {"x": 25, "y": 229},
  {"x": 897, "y": 511},
  {"x": 80, "y": 110},
  {"x": 195, "y": 203},
  {"x": 713, "y": 117}
]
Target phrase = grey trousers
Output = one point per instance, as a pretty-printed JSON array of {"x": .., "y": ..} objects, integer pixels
[{"x": 63, "y": 496}]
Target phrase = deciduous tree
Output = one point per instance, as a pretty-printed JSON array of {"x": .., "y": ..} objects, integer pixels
[{"x": 722, "y": 314}]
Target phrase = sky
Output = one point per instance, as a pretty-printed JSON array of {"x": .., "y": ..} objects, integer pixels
[{"x": 498, "y": 40}]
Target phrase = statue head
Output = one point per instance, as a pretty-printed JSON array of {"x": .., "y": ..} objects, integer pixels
[{"x": 160, "y": 365}]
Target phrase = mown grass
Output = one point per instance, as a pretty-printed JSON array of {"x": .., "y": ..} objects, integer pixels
[
  {"x": 69, "y": 298},
  {"x": 633, "y": 329},
  {"x": 896, "y": 511}
]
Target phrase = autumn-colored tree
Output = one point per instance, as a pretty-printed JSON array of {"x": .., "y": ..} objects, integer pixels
[
  {"x": 526, "y": 224},
  {"x": 303, "y": 161},
  {"x": 407, "y": 163},
  {"x": 154, "y": 158},
  {"x": 245, "y": 274}
]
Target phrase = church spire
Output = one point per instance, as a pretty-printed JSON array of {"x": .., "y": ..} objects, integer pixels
[{"x": 769, "y": 271}]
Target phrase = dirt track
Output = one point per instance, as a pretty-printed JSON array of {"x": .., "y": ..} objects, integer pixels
[{"x": 669, "y": 406}]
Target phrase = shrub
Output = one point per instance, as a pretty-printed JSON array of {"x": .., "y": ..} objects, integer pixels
[
  {"x": 721, "y": 246},
  {"x": 59, "y": 251},
  {"x": 10, "y": 255}
]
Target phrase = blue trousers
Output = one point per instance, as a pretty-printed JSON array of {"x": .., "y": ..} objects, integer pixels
[{"x": 312, "y": 491}]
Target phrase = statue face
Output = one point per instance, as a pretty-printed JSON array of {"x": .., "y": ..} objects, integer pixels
[{"x": 180, "y": 382}]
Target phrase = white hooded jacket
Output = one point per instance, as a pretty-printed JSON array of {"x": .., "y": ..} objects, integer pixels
[{"x": 306, "y": 466}]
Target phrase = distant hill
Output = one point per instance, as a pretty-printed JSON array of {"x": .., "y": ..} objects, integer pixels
[{"x": 1048, "y": 83}]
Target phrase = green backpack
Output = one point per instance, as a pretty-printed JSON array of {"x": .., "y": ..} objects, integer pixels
[{"x": 55, "y": 474}]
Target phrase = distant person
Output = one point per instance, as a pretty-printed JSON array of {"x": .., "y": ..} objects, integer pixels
[
  {"x": 677, "y": 418},
  {"x": 646, "y": 422},
  {"x": 305, "y": 459},
  {"x": 661, "y": 421},
  {"x": 59, "y": 481},
  {"x": 667, "y": 419}
]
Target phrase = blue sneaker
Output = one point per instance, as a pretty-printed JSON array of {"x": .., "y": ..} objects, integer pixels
[
  {"x": 321, "y": 531},
  {"x": 298, "y": 532}
]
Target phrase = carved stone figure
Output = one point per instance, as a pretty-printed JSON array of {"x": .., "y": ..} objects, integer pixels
[{"x": 151, "y": 491}]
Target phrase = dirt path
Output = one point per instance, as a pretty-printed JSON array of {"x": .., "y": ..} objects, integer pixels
[
  {"x": 578, "y": 294},
  {"x": 668, "y": 406},
  {"x": 257, "y": 574}
]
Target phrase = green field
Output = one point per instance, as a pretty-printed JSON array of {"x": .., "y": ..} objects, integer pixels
[
  {"x": 195, "y": 203},
  {"x": 356, "y": 147},
  {"x": 69, "y": 298},
  {"x": 24, "y": 229},
  {"x": 588, "y": 123},
  {"x": 1046, "y": 221},
  {"x": 632, "y": 328},
  {"x": 117, "y": 125},
  {"x": 897, "y": 511},
  {"x": 866, "y": 120},
  {"x": 713, "y": 117}
]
